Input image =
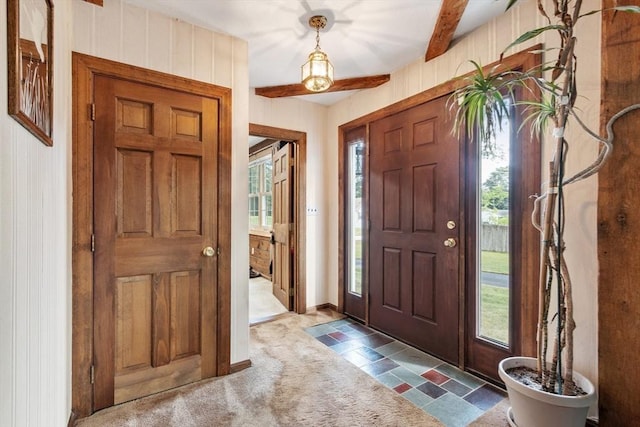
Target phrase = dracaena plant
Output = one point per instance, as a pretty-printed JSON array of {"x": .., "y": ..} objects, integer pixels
[{"x": 479, "y": 107}]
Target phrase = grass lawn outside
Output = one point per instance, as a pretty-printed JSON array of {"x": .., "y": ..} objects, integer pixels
[
  {"x": 494, "y": 300},
  {"x": 494, "y": 312},
  {"x": 494, "y": 262}
]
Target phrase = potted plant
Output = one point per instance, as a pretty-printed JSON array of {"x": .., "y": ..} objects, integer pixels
[{"x": 543, "y": 391}]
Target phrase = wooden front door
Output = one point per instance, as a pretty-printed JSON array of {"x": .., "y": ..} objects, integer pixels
[
  {"x": 155, "y": 221},
  {"x": 282, "y": 223},
  {"x": 414, "y": 211}
]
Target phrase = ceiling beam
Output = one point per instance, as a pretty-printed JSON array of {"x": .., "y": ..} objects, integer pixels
[
  {"x": 338, "y": 85},
  {"x": 450, "y": 13}
]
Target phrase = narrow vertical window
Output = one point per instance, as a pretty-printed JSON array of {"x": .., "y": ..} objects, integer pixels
[
  {"x": 493, "y": 214},
  {"x": 355, "y": 217}
]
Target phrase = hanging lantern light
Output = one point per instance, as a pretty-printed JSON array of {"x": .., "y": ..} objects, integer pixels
[{"x": 317, "y": 72}]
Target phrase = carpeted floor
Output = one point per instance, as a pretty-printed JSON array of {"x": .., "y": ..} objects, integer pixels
[{"x": 294, "y": 381}]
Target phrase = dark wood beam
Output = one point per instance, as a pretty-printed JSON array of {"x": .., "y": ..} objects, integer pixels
[
  {"x": 338, "y": 85},
  {"x": 450, "y": 13}
]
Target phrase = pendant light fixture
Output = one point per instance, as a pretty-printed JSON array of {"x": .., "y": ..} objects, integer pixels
[{"x": 317, "y": 72}]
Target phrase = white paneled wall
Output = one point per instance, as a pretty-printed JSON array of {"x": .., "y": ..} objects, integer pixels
[
  {"x": 35, "y": 196},
  {"x": 35, "y": 262},
  {"x": 484, "y": 45},
  {"x": 125, "y": 33}
]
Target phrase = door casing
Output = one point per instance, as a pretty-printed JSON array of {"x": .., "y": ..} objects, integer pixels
[
  {"x": 85, "y": 68},
  {"x": 299, "y": 266}
]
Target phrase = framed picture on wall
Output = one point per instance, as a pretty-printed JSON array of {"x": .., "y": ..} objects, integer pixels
[{"x": 30, "y": 65}]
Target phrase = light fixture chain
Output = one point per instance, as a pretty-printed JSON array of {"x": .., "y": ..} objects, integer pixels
[{"x": 317, "y": 38}]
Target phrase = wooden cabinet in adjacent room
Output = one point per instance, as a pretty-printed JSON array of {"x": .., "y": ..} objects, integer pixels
[{"x": 260, "y": 254}]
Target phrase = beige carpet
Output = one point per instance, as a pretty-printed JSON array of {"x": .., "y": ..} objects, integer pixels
[{"x": 294, "y": 381}]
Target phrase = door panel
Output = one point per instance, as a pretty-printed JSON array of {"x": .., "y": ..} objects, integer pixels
[
  {"x": 282, "y": 224},
  {"x": 414, "y": 192},
  {"x": 155, "y": 210},
  {"x": 424, "y": 286}
]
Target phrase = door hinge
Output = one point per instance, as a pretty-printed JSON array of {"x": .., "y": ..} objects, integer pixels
[
  {"x": 92, "y": 374},
  {"x": 368, "y": 224},
  {"x": 93, "y": 243},
  {"x": 93, "y": 112},
  {"x": 217, "y": 251}
]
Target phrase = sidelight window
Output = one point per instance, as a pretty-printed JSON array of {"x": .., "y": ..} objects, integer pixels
[
  {"x": 355, "y": 217},
  {"x": 494, "y": 230}
]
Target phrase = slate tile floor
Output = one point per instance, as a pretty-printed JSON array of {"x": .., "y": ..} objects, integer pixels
[{"x": 455, "y": 397}]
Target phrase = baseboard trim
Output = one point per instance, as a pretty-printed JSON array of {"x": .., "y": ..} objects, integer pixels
[
  {"x": 270, "y": 318},
  {"x": 72, "y": 419},
  {"x": 239, "y": 366},
  {"x": 325, "y": 306}
]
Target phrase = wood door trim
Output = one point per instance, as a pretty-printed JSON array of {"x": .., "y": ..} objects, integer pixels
[
  {"x": 85, "y": 68},
  {"x": 300, "y": 182},
  {"x": 510, "y": 62}
]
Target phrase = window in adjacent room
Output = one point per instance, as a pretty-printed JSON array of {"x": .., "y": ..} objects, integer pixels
[{"x": 260, "y": 206}]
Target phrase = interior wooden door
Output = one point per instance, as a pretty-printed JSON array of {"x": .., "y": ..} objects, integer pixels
[
  {"x": 282, "y": 223},
  {"x": 415, "y": 216},
  {"x": 155, "y": 222}
]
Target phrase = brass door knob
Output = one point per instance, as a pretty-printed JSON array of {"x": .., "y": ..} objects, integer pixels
[
  {"x": 450, "y": 242},
  {"x": 208, "y": 251}
]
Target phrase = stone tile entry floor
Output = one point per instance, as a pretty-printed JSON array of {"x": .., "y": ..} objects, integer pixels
[{"x": 455, "y": 397}]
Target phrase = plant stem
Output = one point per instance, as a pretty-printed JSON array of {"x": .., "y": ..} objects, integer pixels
[
  {"x": 544, "y": 266},
  {"x": 565, "y": 61}
]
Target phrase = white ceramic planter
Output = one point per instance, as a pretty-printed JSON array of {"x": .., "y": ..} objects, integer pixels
[{"x": 534, "y": 408}]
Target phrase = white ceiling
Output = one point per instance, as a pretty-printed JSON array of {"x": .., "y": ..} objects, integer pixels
[{"x": 362, "y": 37}]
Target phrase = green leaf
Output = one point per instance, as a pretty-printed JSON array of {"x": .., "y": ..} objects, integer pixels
[
  {"x": 593, "y": 12},
  {"x": 483, "y": 101},
  {"x": 633, "y": 9},
  {"x": 511, "y": 3},
  {"x": 537, "y": 115},
  {"x": 533, "y": 34}
]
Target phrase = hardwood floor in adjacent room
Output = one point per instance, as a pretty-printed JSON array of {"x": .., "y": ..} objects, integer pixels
[{"x": 262, "y": 304}]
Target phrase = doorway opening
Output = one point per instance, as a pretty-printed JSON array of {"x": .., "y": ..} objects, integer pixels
[{"x": 277, "y": 237}]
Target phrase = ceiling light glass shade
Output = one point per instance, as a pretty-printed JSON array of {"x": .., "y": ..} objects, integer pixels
[{"x": 317, "y": 72}]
